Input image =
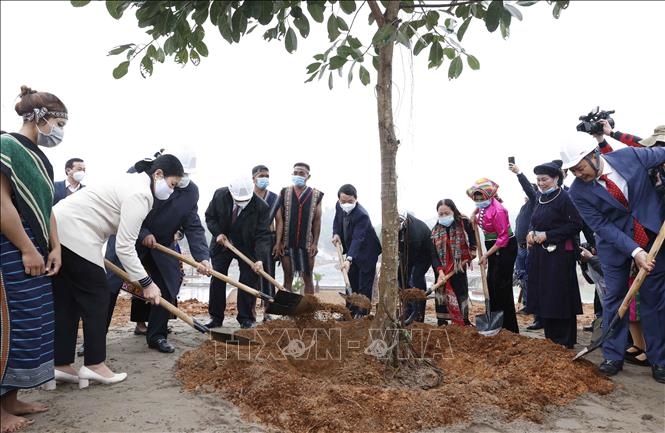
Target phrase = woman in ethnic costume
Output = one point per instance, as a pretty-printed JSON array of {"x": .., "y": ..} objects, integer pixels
[
  {"x": 553, "y": 291},
  {"x": 492, "y": 218},
  {"x": 29, "y": 254},
  {"x": 454, "y": 246}
]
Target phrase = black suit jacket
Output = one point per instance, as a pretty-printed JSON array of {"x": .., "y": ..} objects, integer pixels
[
  {"x": 250, "y": 233},
  {"x": 60, "y": 191},
  {"x": 364, "y": 245},
  {"x": 178, "y": 212}
]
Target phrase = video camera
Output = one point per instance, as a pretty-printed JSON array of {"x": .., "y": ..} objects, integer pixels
[{"x": 590, "y": 122}]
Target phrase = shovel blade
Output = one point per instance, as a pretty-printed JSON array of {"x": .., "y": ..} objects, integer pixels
[
  {"x": 490, "y": 323},
  {"x": 286, "y": 304},
  {"x": 227, "y": 336}
]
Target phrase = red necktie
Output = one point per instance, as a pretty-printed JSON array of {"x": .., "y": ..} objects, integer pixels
[
  {"x": 639, "y": 235},
  {"x": 234, "y": 216}
]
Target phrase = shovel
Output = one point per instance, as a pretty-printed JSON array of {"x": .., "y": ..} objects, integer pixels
[
  {"x": 284, "y": 303},
  {"x": 340, "y": 256},
  {"x": 641, "y": 275},
  {"x": 490, "y": 323},
  {"x": 215, "y": 334}
]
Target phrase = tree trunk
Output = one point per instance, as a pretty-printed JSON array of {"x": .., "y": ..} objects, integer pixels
[{"x": 386, "y": 311}]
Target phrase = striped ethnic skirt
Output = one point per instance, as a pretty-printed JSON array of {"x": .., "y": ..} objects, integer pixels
[{"x": 26, "y": 313}]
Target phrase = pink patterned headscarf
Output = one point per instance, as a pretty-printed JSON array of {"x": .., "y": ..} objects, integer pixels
[{"x": 484, "y": 186}]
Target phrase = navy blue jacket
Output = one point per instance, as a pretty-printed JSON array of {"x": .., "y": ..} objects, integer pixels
[
  {"x": 60, "y": 191},
  {"x": 364, "y": 245},
  {"x": 178, "y": 212}
]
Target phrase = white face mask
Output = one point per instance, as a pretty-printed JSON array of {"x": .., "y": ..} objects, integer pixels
[
  {"x": 447, "y": 220},
  {"x": 162, "y": 189},
  {"x": 78, "y": 175},
  {"x": 347, "y": 207},
  {"x": 51, "y": 139}
]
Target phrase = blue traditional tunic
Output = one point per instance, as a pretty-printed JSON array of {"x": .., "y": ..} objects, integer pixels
[{"x": 26, "y": 310}]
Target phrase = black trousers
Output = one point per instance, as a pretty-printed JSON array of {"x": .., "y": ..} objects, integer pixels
[
  {"x": 500, "y": 282},
  {"x": 414, "y": 277},
  {"x": 246, "y": 302},
  {"x": 80, "y": 290},
  {"x": 561, "y": 331},
  {"x": 362, "y": 282}
]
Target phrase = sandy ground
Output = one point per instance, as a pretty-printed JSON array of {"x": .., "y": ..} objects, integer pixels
[{"x": 151, "y": 399}]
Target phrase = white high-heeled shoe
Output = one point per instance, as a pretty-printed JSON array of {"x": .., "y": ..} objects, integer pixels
[
  {"x": 86, "y": 375},
  {"x": 60, "y": 376}
]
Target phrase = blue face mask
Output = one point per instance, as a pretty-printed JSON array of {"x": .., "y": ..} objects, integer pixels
[
  {"x": 483, "y": 204},
  {"x": 549, "y": 190},
  {"x": 446, "y": 220},
  {"x": 298, "y": 180},
  {"x": 262, "y": 182}
]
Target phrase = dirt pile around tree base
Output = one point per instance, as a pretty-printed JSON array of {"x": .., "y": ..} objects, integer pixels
[{"x": 318, "y": 374}]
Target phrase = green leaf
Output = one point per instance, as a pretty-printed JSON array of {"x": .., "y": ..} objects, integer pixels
[
  {"x": 505, "y": 30},
  {"x": 449, "y": 52},
  {"x": 462, "y": 28},
  {"x": 198, "y": 34},
  {"x": 224, "y": 27},
  {"x": 115, "y": 9},
  {"x": 333, "y": 31},
  {"x": 345, "y": 51},
  {"x": 311, "y": 78},
  {"x": 296, "y": 12},
  {"x": 238, "y": 24},
  {"x": 455, "y": 68},
  {"x": 120, "y": 49},
  {"x": 194, "y": 58},
  {"x": 364, "y": 75},
  {"x": 462, "y": 11},
  {"x": 348, "y": 6},
  {"x": 121, "y": 70},
  {"x": 493, "y": 15},
  {"x": 182, "y": 57},
  {"x": 431, "y": 19},
  {"x": 302, "y": 24},
  {"x": 513, "y": 11},
  {"x": 200, "y": 15},
  {"x": 215, "y": 10},
  {"x": 79, "y": 3},
  {"x": 350, "y": 76},
  {"x": 146, "y": 66},
  {"x": 402, "y": 39},
  {"x": 337, "y": 62},
  {"x": 473, "y": 62},
  {"x": 375, "y": 62},
  {"x": 556, "y": 12},
  {"x": 316, "y": 11},
  {"x": 435, "y": 55},
  {"x": 202, "y": 48},
  {"x": 170, "y": 46},
  {"x": 383, "y": 35},
  {"x": 341, "y": 24},
  {"x": 266, "y": 12},
  {"x": 159, "y": 56},
  {"x": 526, "y": 3},
  {"x": 330, "y": 81},
  {"x": 291, "y": 40},
  {"x": 354, "y": 42},
  {"x": 420, "y": 45},
  {"x": 313, "y": 67}
]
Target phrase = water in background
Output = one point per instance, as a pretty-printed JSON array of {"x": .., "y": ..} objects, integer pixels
[{"x": 197, "y": 286}]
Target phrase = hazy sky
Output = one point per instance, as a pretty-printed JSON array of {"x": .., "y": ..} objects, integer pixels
[{"x": 247, "y": 104}]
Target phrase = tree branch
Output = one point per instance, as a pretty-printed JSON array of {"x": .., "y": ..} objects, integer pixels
[
  {"x": 376, "y": 13},
  {"x": 439, "y": 5}
]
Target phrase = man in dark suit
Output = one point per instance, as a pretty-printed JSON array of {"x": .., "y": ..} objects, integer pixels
[
  {"x": 75, "y": 171},
  {"x": 177, "y": 213},
  {"x": 353, "y": 228},
  {"x": 237, "y": 215},
  {"x": 616, "y": 198},
  {"x": 415, "y": 258}
]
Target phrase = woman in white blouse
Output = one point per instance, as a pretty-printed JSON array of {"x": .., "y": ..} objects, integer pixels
[{"x": 85, "y": 222}]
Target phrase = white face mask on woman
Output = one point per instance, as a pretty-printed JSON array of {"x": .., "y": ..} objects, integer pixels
[
  {"x": 51, "y": 139},
  {"x": 162, "y": 189}
]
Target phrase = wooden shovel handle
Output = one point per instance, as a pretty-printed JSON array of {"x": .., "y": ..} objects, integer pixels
[
  {"x": 214, "y": 273},
  {"x": 162, "y": 302},
  {"x": 483, "y": 273},
  {"x": 247, "y": 260},
  {"x": 340, "y": 256},
  {"x": 642, "y": 274}
]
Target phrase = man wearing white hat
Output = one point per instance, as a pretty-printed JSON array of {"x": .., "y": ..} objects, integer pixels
[
  {"x": 237, "y": 215},
  {"x": 616, "y": 198}
]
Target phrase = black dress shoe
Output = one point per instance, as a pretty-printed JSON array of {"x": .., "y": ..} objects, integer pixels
[
  {"x": 247, "y": 324},
  {"x": 213, "y": 324},
  {"x": 535, "y": 326},
  {"x": 162, "y": 345},
  {"x": 609, "y": 367},
  {"x": 658, "y": 373}
]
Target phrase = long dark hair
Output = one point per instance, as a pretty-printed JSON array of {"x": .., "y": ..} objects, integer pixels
[{"x": 457, "y": 215}]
